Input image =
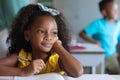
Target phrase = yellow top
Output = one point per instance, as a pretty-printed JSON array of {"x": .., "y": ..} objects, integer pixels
[{"x": 50, "y": 66}]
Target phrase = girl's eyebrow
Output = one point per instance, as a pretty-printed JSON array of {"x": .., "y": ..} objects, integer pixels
[
  {"x": 39, "y": 25},
  {"x": 44, "y": 25}
]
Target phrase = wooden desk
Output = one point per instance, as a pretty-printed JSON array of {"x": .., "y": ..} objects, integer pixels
[{"x": 91, "y": 56}]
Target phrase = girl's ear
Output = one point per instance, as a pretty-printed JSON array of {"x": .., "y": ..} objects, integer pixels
[{"x": 27, "y": 35}]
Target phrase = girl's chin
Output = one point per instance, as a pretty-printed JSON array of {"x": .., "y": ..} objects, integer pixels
[{"x": 47, "y": 50}]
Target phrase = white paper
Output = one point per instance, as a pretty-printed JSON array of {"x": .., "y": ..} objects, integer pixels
[
  {"x": 6, "y": 78},
  {"x": 49, "y": 76},
  {"x": 91, "y": 77},
  {"x": 55, "y": 76}
]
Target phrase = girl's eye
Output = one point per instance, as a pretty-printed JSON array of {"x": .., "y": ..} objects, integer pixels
[
  {"x": 54, "y": 33},
  {"x": 40, "y": 31}
]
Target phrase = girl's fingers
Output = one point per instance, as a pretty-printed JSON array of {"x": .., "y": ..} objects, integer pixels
[
  {"x": 39, "y": 68},
  {"x": 41, "y": 61},
  {"x": 41, "y": 65}
]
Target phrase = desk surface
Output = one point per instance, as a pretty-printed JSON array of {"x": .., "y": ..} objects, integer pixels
[
  {"x": 55, "y": 76},
  {"x": 116, "y": 77},
  {"x": 89, "y": 48}
]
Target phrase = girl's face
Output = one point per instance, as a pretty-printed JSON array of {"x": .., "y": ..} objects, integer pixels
[
  {"x": 111, "y": 10},
  {"x": 43, "y": 34}
]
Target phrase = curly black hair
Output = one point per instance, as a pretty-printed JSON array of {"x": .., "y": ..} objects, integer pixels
[
  {"x": 24, "y": 20},
  {"x": 103, "y": 3}
]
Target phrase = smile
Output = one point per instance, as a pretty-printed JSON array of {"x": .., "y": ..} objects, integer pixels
[{"x": 48, "y": 45}]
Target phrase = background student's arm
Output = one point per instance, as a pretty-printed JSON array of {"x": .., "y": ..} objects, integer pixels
[
  {"x": 87, "y": 38},
  {"x": 70, "y": 64},
  {"x": 91, "y": 30}
]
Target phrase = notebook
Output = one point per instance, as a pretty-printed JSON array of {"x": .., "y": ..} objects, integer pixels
[
  {"x": 49, "y": 76},
  {"x": 55, "y": 76},
  {"x": 6, "y": 78},
  {"x": 91, "y": 77}
]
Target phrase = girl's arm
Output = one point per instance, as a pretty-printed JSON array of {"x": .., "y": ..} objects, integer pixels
[
  {"x": 70, "y": 64},
  {"x": 10, "y": 60},
  {"x": 8, "y": 67}
]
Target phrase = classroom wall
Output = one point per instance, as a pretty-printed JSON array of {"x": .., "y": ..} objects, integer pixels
[{"x": 79, "y": 13}]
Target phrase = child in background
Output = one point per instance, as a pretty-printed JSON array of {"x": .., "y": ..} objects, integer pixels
[
  {"x": 39, "y": 44},
  {"x": 105, "y": 32}
]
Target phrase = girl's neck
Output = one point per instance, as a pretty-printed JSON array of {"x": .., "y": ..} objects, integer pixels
[{"x": 40, "y": 55}]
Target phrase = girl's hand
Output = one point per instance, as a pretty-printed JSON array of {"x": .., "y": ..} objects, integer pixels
[
  {"x": 34, "y": 68},
  {"x": 56, "y": 45}
]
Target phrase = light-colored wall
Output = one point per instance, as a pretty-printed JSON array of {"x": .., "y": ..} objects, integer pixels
[{"x": 79, "y": 13}]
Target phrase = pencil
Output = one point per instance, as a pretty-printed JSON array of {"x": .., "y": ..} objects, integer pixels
[{"x": 24, "y": 59}]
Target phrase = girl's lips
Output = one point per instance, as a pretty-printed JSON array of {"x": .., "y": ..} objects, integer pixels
[{"x": 48, "y": 45}]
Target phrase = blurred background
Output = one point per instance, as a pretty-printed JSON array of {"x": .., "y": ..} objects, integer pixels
[{"x": 78, "y": 14}]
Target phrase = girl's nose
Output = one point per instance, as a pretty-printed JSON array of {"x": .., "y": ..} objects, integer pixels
[{"x": 48, "y": 38}]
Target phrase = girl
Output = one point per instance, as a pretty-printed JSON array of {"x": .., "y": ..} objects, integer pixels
[{"x": 38, "y": 44}]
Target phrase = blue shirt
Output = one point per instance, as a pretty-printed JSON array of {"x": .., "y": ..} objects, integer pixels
[{"x": 106, "y": 33}]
